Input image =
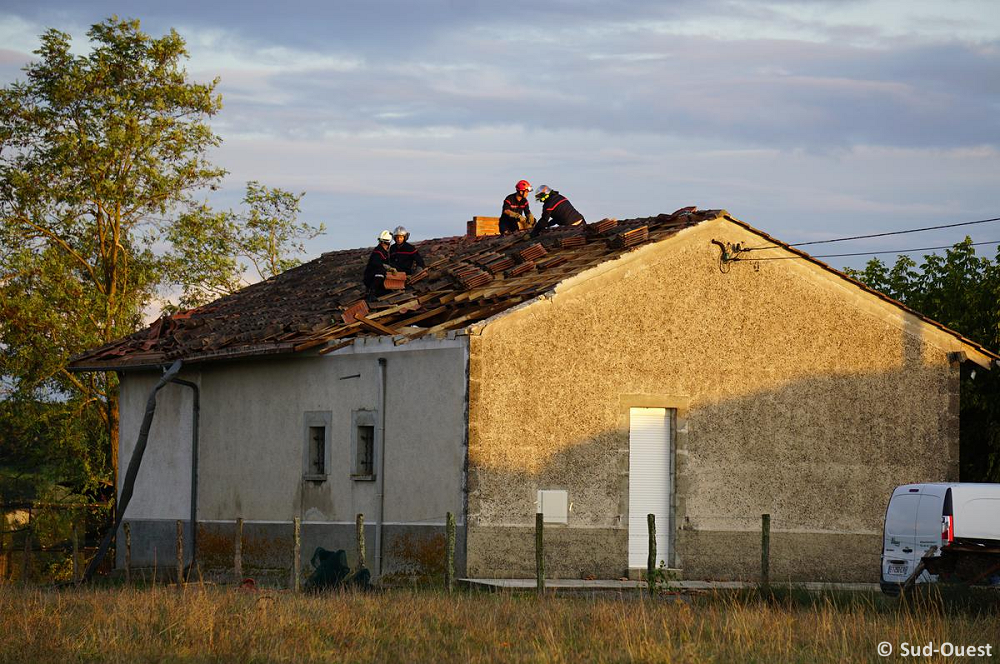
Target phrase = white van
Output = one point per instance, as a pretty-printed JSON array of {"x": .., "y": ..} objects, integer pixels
[{"x": 961, "y": 519}]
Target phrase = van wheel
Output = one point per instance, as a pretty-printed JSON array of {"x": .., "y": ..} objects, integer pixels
[{"x": 890, "y": 589}]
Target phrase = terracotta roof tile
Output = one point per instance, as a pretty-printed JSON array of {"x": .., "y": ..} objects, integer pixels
[{"x": 467, "y": 279}]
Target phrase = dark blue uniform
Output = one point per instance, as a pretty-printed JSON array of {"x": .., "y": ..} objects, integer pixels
[
  {"x": 512, "y": 209},
  {"x": 557, "y": 211}
]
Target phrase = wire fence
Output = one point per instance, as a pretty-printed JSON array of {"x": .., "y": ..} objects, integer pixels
[{"x": 49, "y": 542}]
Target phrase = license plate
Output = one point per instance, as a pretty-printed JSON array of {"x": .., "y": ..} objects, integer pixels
[{"x": 899, "y": 570}]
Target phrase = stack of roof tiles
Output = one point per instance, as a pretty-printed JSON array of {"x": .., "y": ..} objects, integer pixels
[
  {"x": 318, "y": 304},
  {"x": 629, "y": 238},
  {"x": 533, "y": 252}
]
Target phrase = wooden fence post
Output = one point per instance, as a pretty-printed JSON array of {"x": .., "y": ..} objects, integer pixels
[
  {"x": 180, "y": 553},
  {"x": 26, "y": 559},
  {"x": 76, "y": 554},
  {"x": 128, "y": 552},
  {"x": 765, "y": 549},
  {"x": 238, "y": 551},
  {"x": 296, "y": 552},
  {"x": 449, "y": 563},
  {"x": 539, "y": 554},
  {"x": 651, "y": 558},
  {"x": 360, "y": 528}
]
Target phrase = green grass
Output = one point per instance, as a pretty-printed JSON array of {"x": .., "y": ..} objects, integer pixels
[{"x": 219, "y": 624}]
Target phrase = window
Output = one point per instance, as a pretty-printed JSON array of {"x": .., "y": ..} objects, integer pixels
[
  {"x": 363, "y": 445},
  {"x": 316, "y": 450}
]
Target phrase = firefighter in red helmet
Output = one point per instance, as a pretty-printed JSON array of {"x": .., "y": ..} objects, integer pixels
[{"x": 516, "y": 213}]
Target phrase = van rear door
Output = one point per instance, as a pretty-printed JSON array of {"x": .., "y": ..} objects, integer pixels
[
  {"x": 899, "y": 536},
  {"x": 928, "y": 525}
]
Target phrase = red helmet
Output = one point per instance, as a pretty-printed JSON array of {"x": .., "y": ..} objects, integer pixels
[{"x": 522, "y": 185}]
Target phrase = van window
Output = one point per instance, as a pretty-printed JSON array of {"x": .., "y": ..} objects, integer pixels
[
  {"x": 902, "y": 514},
  {"x": 929, "y": 517}
]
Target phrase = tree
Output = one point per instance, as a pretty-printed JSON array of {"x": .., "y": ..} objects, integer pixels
[
  {"x": 960, "y": 290},
  {"x": 101, "y": 159},
  {"x": 96, "y": 151},
  {"x": 208, "y": 245}
]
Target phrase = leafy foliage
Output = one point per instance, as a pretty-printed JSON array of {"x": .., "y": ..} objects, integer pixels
[
  {"x": 960, "y": 290},
  {"x": 208, "y": 245},
  {"x": 101, "y": 156}
]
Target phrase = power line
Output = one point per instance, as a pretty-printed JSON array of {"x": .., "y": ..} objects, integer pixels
[
  {"x": 865, "y": 237},
  {"x": 863, "y": 253}
]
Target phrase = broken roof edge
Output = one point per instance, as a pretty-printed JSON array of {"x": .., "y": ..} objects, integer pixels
[
  {"x": 991, "y": 357},
  {"x": 621, "y": 260}
]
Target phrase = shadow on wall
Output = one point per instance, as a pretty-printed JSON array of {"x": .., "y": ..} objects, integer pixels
[{"x": 820, "y": 455}]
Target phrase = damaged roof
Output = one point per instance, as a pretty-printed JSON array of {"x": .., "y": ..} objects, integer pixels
[{"x": 320, "y": 305}]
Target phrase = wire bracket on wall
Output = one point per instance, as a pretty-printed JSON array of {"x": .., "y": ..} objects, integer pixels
[{"x": 730, "y": 254}]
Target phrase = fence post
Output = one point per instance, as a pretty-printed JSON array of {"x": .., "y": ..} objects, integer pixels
[
  {"x": 651, "y": 558},
  {"x": 449, "y": 563},
  {"x": 180, "y": 553},
  {"x": 539, "y": 554},
  {"x": 26, "y": 559},
  {"x": 4, "y": 560},
  {"x": 76, "y": 554},
  {"x": 296, "y": 552},
  {"x": 360, "y": 527},
  {"x": 765, "y": 549},
  {"x": 238, "y": 551},
  {"x": 128, "y": 552}
]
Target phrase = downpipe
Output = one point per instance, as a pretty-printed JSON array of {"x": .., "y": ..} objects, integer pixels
[
  {"x": 128, "y": 486},
  {"x": 195, "y": 417},
  {"x": 380, "y": 477}
]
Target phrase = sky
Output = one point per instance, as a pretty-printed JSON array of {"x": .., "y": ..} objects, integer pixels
[{"x": 809, "y": 120}]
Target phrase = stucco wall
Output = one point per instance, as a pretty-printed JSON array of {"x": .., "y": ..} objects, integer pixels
[
  {"x": 252, "y": 440},
  {"x": 796, "y": 394}
]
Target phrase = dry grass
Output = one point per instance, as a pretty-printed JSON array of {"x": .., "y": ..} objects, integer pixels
[{"x": 213, "y": 624}]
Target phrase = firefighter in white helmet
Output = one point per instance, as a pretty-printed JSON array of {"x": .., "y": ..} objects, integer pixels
[
  {"x": 402, "y": 255},
  {"x": 378, "y": 262}
]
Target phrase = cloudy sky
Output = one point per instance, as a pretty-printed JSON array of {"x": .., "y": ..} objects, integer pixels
[{"x": 808, "y": 119}]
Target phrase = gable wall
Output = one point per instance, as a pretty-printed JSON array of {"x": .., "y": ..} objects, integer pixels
[{"x": 797, "y": 395}]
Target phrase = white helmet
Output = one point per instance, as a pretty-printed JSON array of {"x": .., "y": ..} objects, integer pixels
[
  {"x": 400, "y": 230},
  {"x": 384, "y": 236}
]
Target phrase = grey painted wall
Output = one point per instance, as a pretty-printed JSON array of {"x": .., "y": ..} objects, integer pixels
[{"x": 253, "y": 440}]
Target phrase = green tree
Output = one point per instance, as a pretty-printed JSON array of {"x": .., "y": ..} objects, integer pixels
[
  {"x": 101, "y": 158},
  {"x": 208, "y": 246},
  {"x": 960, "y": 290},
  {"x": 96, "y": 153}
]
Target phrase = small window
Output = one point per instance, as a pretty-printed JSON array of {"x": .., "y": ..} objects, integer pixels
[
  {"x": 363, "y": 445},
  {"x": 316, "y": 450}
]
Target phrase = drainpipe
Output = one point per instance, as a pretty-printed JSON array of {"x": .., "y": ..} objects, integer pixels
[
  {"x": 196, "y": 412},
  {"x": 380, "y": 477},
  {"x": 128, "y": 485}
]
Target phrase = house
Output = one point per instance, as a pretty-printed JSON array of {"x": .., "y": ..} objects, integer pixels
[{"x": 685, "y": 365}]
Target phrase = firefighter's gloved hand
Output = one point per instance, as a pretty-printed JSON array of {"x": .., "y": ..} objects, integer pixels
[
  {"x": 521, "y": 219},
  {"x": 531, "y": 218}
]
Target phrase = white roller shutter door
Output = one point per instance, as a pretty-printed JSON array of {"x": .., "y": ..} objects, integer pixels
[{"x": 648, "y": 482}]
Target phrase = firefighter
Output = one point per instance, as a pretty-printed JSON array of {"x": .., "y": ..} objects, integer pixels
[
  {"x": 515, "y": 209},
  {"x": 402, "y": 255},
  {"x": 378, "y": 262},
  {"x": 556, "y": 211}
]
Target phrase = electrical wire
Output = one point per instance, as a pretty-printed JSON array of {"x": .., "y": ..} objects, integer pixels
[
  {"x": 865, "y": 237},
  {"x": 862, "y": 253}
]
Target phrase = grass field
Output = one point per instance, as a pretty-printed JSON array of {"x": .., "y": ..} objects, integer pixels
[{"x": 216, "y": 624}]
